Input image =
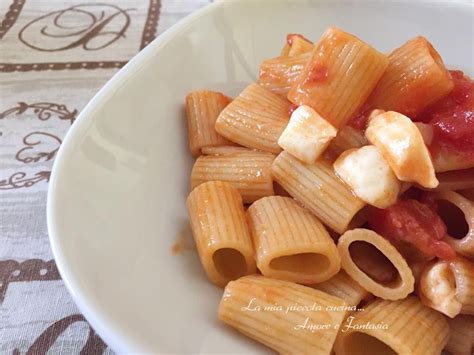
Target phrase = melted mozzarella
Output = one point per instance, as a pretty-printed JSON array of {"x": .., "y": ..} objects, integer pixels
[
  {"x": 402, "y": 145},
  {"x": 307, "y": 134},
  {"x": 369, "y": 175}
]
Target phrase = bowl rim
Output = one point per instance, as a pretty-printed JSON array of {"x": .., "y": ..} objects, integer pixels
[
  {"x": 111, "y": 334},
  {"x": 109, "y": 331}
]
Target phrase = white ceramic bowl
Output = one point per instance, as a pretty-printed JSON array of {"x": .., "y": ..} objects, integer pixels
[{"x": 117, "y": 192}]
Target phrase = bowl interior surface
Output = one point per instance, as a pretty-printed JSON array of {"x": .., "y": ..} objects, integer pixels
[{"x": 117, "y": 197}]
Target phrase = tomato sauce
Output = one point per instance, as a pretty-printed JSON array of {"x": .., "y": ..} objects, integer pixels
[
  {"x": 317, "y": 74},
  {"x": 452, "y": 118},
  {"x": 414, "y": 224}
]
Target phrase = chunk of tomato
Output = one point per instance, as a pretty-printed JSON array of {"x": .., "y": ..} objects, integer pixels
[
  {"x": 415, "y": 226},
  {"x": 452, "y": 118}
]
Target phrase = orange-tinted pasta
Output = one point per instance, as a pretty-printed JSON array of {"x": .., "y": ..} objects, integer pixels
[
  {"x": 417, "y": 267},
  {"x": 446, "y": 159},
  {"x": 347, "y": 138},
  {"x": 314, "y": 185},
  {"x": 292, "y": 332},
  {"x": 415, "y": 78},
  {"x": 318, "y": 188},
  {"x": 279, "y": 74},
  {"x": 248, "y": 171},
  {"x": 299, "y": 45},
  {"x": 455, "y": 180},
  {"x": 221, "y": 232},
  {"x": 461, "y": 338},
  {"x": 290, "y": 243},
  {"x": 448, "y": 287},
  {"x": 393, "y": 327},
  {"x": 375, "y": 264},
  {"x": 295, "y": 44},
  {"x": 344, "y": 287},
  {"x": 255, "y": 119},
  {"x": 224, "y": 150},
  {"x": 202, "y": 109},
  {"x": 285, "y": 50},
  {"x": 339, "y": 77},
  {"x": 457, "y": 213}
]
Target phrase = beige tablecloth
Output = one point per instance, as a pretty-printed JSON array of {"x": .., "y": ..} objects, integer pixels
[{"x": 54, "y": 56}]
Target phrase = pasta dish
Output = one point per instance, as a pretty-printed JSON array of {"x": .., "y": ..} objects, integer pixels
[{"x": 332, "y": 199}]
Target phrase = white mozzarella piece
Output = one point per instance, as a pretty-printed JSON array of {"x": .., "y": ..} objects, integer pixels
[
  {"x": 368, "y": 174},
  {"x": 402, "y": 145},
  {"x": 307, "y": 134}
]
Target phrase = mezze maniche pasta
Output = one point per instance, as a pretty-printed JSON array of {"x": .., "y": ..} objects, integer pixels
[{"x": 332, "y": 199}]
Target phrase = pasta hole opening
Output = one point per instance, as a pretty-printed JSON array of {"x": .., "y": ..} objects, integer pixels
[
  {"x": 301, "y": 263},
  {"x": 374, "y": 263},
  {"x": 359, "y": 219},
  {"x": 229, "y": 263},
  {"x": 451, "y": 279},
  {"x": 280, "y": 190},
  {"x": 454, "y": 219},
  {"x": 441, "y": 284},
  {"x": 436, "y": 57},
  {"x": 365, "y": 301},
  {"x": 468, "y": 193},
  {"x": 363, "y": 344}
]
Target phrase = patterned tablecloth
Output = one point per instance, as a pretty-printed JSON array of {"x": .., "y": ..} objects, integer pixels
[{"x": 54, "y": 56}]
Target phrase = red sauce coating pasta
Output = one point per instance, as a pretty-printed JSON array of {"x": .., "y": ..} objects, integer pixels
[{"x": 317, "y": 74}]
